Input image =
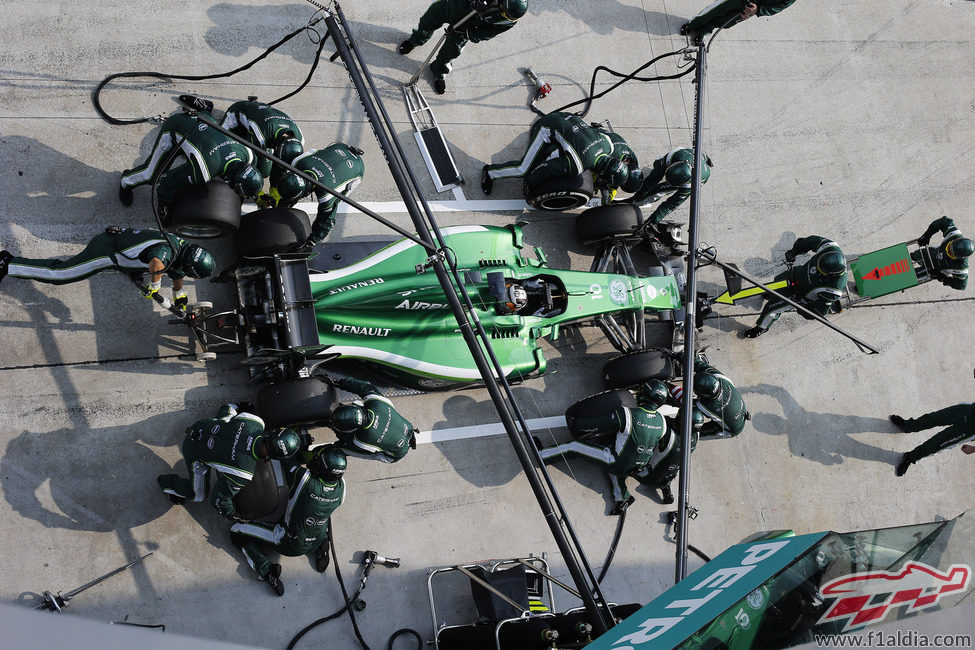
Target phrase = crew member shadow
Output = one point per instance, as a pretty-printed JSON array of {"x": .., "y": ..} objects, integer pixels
[{"x": 821, "y": 437}]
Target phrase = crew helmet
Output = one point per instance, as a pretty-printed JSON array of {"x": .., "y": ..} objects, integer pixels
[
  {"x": 831, "y": 264},
  {"x": 652, "y": 394},
  {"x": 284, "y": 443},
  {"x": 328, "y": 464},
  {"x": 678, "y": 173},
  {"x": 348, "y": 418},
  {"x": 513, "y": 9},
  {"x": 290, "y": 187},
  {"x": 289, "y": 148},
  {"x": 612, "y": 172},
  {"x": 706, "y": 385},
  {"x": 960, "y": 248},
  {"x": 247, "y": 181},
  {"x": 515, "y": 298},
  {"x": 197, "y": 262}
]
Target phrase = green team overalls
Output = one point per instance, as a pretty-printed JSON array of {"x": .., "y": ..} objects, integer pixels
[
  {"x": 560, "y": 144},
  {"x": 386, "y": 436},
  {"x": 125, "y": 250},
  {"x": 305, "y": 525},
  {"x": 638, "y": 432},
  {"x": 336, "y": 167},
  {"x": 807, "y": 285},
  {"x": 263, "y": 125},
  {"x": 726, "y": 13},
  {"x": 227, "y": 444},
  {"x": 726, "y": 413},
  {"x": 482, "y": 27},
  {"x": 950, "y": 271},
  {"x": 210, "y": 155},
  {"x": 655, "y": 184}
]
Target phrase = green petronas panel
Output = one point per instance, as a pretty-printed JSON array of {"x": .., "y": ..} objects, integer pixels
[{"x": 382, "y": 310}]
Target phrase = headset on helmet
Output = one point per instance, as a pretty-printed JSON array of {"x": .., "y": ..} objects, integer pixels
[
  {"x": 348, "y": 418},
  {"x": 960, "y": 248},
  {"x": 290, "y": 187},
  {"x": 285, "y": 443},
  {"x": 328, "y": 464},
  {"x": 706, "y": 385},
  {"x": 248, "y": 181},
  {"x": 513, "y": 9},
  {"x": 831, "y": 264},
  {"x": 197, "y": 262},
  {"x": 652, "y": 394}
]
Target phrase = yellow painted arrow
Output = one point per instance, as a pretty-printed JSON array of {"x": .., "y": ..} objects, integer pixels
[{"x": 751, "y": 291}]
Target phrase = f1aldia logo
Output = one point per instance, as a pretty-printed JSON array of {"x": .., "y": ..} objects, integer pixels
[{"x": 865, "y": 598}]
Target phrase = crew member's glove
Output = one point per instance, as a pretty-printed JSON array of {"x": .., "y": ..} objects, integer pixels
[
  {"x": 790, "y": 257},
  {"x": 924, "y": 240},
  {"x": 306, "y": 439},
  {"x": 304, "y": 246},
  {"x": 413, "y": 438},
  {"x": 245, "y": 407},
  {"x": 180, "y": 301},
  {"x": 113, "y": 230},
  {"x": 264, "y": 200},
  {"x": 152, "y": 289}
]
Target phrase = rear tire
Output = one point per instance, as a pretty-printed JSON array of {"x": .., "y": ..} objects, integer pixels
[
  {"x": 563, "y": 193},
  {"x": 637, "y": 367},
  {"x": 205, "y": 212},
  {"x": 306, "y": 400},
  {"x": 607, "y": 222},
  {"x": 274, "y": 230}
]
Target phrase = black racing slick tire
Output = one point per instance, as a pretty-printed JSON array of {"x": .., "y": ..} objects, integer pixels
[
  {"x": 563, "y": 193},
  {"x": 205, "y": 212},
  {"x": 637, "y": 367},
  {"x": 596, "y": 406},
  {"x": 272, "y": 230},
  {"x": 306, "y": 400},
  {"x": 607, "y": 222},
  {"x": 259, "y": 498}
]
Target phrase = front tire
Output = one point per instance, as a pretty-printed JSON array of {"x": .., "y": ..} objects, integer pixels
[
  {"x": 617, "y": 221},
  {"x": 637, "y": 367}
]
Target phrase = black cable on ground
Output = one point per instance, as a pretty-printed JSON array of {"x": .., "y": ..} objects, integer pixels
[
  {"x": 612, "y": 547},
  {"x": 168, "y": 77},
  {"x": 398, "y": 633},
  {"x": 625, "y": 77}
]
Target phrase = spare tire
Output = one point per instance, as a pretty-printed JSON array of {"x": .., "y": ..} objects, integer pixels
[
  {"x": 273, "y": 230},
  {"x": 596, "y": 406},
  {"x": 205, "y": 212},
  {"x": 637, "y": 367},
  {"x": 259, "y": 498},
  {"x": 562, "y": 193},
  {"x": 603, "y": 222},
  {"x": 301, "y": 401}
]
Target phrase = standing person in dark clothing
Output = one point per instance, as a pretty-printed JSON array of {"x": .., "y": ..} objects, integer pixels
[
  {"x": 726, "y": 13},
  {"x": 959, "y": 423}
]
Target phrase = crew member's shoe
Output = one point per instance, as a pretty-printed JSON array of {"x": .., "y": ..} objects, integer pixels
[
  {"x": 666, "y": 495},
  {"x": 406, "y": 47},
  {"x": 125, "y": 193},
  {"x": 755, "y": 332},
  {"x": 487, "y": 183},
  {"x": 196, "y": 103},
  {"x": 899, "y": 422},
  {"x": 440, "y": 85},
  {"x": 621, "y": 506},
  {"x": 5, "y": 258},
  {"x": 321, "y": 557},
  {"x": 906, "y": 461},
  {"x": 238, "y": 539},
  {"x": 274, "y": 579},
  {"x": 685, "y": 30},
  {"x": 168, "y": 483}
]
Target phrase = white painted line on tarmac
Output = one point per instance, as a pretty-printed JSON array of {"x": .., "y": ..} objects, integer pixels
[{"x": 482, "y": 430}]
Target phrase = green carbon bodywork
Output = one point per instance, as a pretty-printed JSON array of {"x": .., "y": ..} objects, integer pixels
[{"x": 382, "y": 311}]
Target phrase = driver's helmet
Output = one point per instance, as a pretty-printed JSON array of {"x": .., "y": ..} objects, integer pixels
[
  {"x": 514, "y": 299},
  {"x": 612, "y": 172},
  {"x": 513, "y": 9},
  {"x": 290, "y": 187},
  {"x": 288, "y": 147},
  {"x": 706, "y": 385},
  {"x": 197, "y": 262},
  {"x": 284, "y": 443},
  {"x": 960, "y": 248},
  {"x": 652, "y": 394},
  {"x": 349, "y": 418},
  {"x": 831, "y": 264},
  {"x": 328, "y": 464},
  {"x": 247, "y": 182}
]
